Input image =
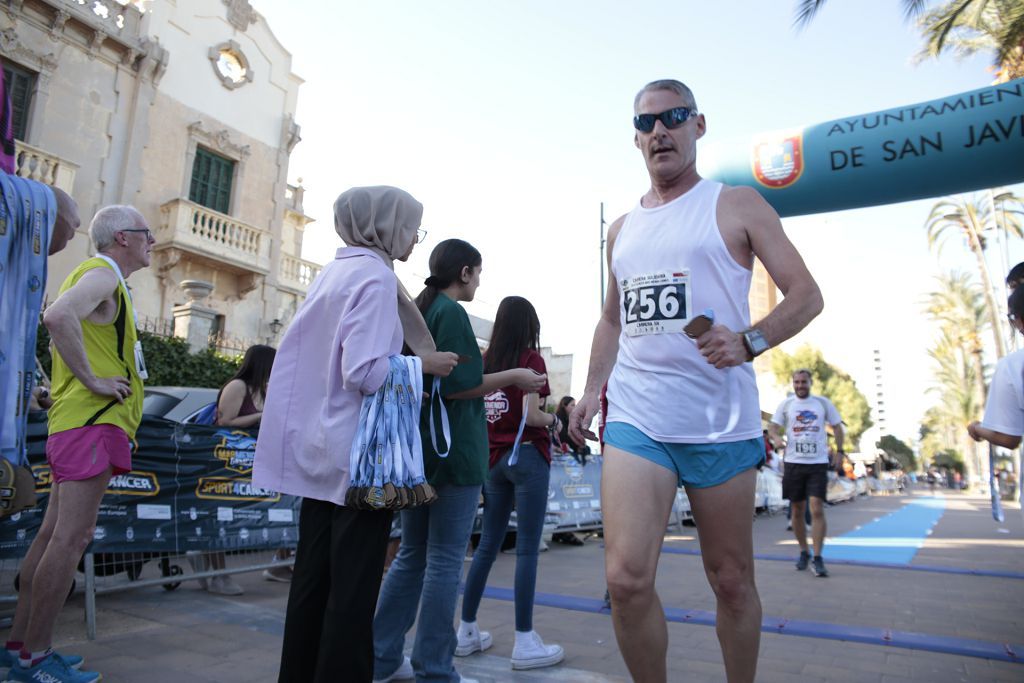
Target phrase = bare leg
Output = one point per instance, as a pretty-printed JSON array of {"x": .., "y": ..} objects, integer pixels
[
  {"x": 28, "y": 566},
  {"x": 818, "y": 525},
  {"x": 725, "y": 528},
  {"x": 636, "y": 499},
  {"x": 799, "y": 530},
  {"x": 76, "y": 519}
]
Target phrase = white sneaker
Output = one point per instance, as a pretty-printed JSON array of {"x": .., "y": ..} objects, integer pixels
[
  {"x": 402, "y": 673},
  {"x": 471, "y": 639},
  {"x": 530, "y": 652},
  {"x": 224, "y": 585}
]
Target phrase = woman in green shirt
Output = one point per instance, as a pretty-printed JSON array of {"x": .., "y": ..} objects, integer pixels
[{"x": 434, "y": 538}]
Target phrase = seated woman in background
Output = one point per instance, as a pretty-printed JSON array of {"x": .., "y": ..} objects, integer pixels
[{"x": 240, "y": 404}]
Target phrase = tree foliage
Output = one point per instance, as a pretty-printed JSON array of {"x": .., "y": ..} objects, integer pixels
[
  {"x": 967, "y": 27},
  {"x": 828, "y": 381},
  {"x": 898, "y": 450},
  {"x": 957, "y": 306},
  {"x": 975, "y": 219},
  {"x": 949, "y": 459},
  {"x": 963, "y": 27},
  {"x": 168, "y": 360}
]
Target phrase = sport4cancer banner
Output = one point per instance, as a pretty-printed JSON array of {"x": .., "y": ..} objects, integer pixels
[
  {"x": 190, "y": 488},
  {"x": 574, "y": 493}
]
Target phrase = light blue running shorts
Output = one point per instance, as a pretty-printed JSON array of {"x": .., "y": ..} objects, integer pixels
[{"x": 700, "y": 465}]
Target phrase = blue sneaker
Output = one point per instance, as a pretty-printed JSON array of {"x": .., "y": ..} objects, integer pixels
[
  {"x": 7, "y": 660},
  {"x": 53, "y": 669}
]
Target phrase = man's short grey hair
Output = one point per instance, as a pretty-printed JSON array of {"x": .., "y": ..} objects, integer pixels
[
  {"x": 112, "y": 219},
  {"x": 677, "y": 87},
  {"x": 804, "y": 371}
]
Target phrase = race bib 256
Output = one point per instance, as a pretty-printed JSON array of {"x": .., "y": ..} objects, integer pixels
[{"x": 656, "y": 303}]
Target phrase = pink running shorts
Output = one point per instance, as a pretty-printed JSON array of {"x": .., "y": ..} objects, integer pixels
[{"x": 83, "y": 453}]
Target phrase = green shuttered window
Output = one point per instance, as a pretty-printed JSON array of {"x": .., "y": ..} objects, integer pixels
[
  {"x": 21, "y": 85},
  {"x": 211, "y": 180}
]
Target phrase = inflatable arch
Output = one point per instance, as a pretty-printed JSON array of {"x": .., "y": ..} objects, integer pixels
[{"x": 970, "y": 141}]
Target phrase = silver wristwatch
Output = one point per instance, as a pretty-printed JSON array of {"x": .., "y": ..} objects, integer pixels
[{"x": 755, "y": 342}]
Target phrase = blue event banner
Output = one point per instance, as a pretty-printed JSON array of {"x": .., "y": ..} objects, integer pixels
[{"x": 964, "y": 142}]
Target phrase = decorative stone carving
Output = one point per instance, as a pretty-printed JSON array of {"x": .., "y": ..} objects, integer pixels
[
  {"x": 292, "y": 136},
  {"x": 96, "y": 42},
  {"x": 249, "y": 282},
  {"x": 220, "y": 140},
  {"x": 12, "y": 47},
  {"x": 57, "y": 25},
  {"x": 9, "y": 40},
  {"x": 240, "y": 13}
]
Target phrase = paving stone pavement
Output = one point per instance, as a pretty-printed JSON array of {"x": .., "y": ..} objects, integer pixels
[{"x": 153, "y": 635}]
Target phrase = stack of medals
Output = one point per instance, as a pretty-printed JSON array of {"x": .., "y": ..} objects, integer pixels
[{"x": 387, "y": 454}]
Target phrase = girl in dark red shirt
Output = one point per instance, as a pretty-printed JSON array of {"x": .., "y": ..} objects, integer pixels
[{"x": 519, "y": 474}]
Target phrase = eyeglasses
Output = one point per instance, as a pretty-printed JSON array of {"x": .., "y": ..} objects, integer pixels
[
  {"x": 672, "y": 118},
  {"x": 149, "y": 233},
  {"x": 421, "y": 235}
]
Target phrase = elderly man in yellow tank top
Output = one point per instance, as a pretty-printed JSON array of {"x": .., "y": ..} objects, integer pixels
[
  {"x": 98, "y": 370},
  {"x": 682, "y": 401}
]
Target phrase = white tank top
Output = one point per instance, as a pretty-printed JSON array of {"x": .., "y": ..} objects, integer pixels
[{"x": 670, "y": 263}]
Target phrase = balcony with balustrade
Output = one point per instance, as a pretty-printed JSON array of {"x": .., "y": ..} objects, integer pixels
[
  {"x": 213, "y": 237},
  {"x": 297, "y": 274},
  {"x": 38, "y": 164}
]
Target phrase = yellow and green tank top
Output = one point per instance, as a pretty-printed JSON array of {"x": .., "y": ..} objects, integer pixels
[{"x": 110, "y": 349}]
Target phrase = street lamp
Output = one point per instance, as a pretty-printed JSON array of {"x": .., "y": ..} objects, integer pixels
[{"x": 275, "y": 326}]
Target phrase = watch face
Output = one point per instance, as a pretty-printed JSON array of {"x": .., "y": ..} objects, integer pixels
[{"x": 756, "y": 341}]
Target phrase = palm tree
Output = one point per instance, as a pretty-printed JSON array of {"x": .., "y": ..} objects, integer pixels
[
  {"x": 974, "y": 218},
  {"x": 958, "y": 306},
  {"x": 963, "y": 26},
  {"x": 958, "y": 367},
  {"x": 807, "y": 9},
  {"x": 966, "y": 27}
]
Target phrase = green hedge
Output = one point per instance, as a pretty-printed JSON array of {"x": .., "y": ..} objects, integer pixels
[{"x": 169, "y": 362}]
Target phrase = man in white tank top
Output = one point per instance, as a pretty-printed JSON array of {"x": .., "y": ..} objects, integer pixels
[{"x": 684, "y": 411}]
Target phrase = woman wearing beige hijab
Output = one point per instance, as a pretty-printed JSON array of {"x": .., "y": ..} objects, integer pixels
[{"x": 334, "y": 353}]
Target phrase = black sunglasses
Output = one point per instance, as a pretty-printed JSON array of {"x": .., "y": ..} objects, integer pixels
[
  {"x": 673, "y": 118},
  {"x": 149, "y": 233}
]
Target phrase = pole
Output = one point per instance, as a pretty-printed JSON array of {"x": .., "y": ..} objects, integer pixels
[
  {"x": 601, "y": 254},
  {"x": 90, "y": 596}
]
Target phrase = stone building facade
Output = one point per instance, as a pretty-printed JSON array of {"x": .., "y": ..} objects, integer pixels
[{"x": 186, "y": 110}]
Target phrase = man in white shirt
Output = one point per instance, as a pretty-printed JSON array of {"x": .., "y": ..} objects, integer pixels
[
  {"x": 807, "y": 461},
  {"x": 1004, "y": 410}
]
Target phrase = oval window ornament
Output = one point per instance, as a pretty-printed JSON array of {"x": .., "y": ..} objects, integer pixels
[{"x": 230, "y": 65}]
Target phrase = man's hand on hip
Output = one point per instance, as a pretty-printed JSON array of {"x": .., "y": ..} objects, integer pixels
[{"x": 115, "y": 387}]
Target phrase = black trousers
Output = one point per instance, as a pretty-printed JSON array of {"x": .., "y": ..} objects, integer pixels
[{"x": 328, "y": 628}]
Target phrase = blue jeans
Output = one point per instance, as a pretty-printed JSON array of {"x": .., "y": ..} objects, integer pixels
[
  {"x": 428, "y": 565},
  {"x": 526, "y": 485}
]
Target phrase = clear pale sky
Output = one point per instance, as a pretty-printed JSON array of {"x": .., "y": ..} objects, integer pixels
[{"x": 511, "y": 122}]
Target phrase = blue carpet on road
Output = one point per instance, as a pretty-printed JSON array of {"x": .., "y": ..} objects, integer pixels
[{"x": 893, "y": 539}]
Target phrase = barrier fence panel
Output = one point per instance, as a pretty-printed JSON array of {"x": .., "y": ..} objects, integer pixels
[
  {"x": 187, "y": 504},
  {"x": 188, "y": 510}
]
